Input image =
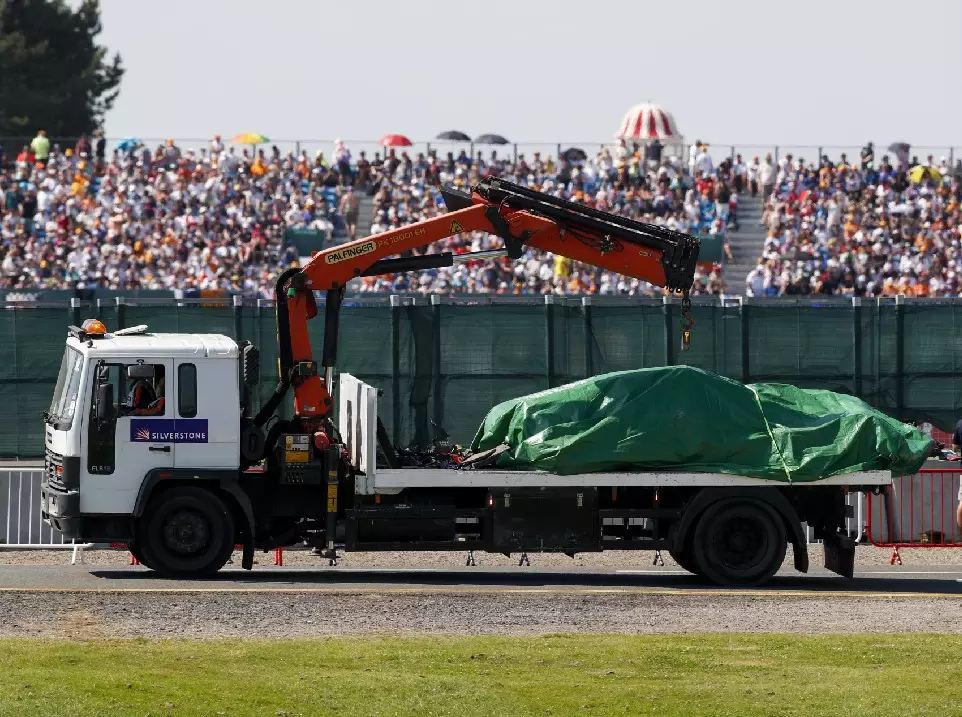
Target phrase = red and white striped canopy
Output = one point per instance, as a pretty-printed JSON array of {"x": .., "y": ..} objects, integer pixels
[{"x": 647, "y": 122}]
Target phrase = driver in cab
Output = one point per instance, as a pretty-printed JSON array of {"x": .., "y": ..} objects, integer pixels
[{"x": 144, "y": 399}]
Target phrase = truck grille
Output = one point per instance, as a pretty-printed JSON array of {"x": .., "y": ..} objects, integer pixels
[{"x": 53, "y": 461}]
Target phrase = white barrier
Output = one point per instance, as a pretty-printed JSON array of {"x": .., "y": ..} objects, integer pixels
[{"x": 21, "y": 524}]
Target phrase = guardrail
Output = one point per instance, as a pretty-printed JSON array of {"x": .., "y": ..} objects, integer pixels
[
  {"x": 21, "y": 525},
  {"x": 917, "y": 511}
]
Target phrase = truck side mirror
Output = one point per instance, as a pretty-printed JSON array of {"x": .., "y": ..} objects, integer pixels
[{"x": 105, "y": 403}]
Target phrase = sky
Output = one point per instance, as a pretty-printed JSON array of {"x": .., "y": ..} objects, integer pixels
[{"x": 750, "y": 73}]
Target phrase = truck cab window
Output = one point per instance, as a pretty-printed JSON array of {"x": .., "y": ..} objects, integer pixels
[
  {"x": 187, "y": 390},
  {"x": 145, "y": 390}
]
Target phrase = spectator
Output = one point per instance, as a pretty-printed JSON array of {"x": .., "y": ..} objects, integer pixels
[
  {"x": 40, "y": 147},
  {"x": 860, "y": 231},
  {"x": 215, "y": 218},
  {"x": 615, "y": 181},
  {"x": 163, "y": 219}
]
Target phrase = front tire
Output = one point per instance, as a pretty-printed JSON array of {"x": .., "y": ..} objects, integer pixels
[
  {"x": 739, "y": 543},
  {"x": 186, "y": 532}
]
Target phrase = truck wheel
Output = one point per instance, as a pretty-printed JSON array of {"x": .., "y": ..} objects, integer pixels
[
  {"x": 187, "y": 532},
  {"x": 739, "y": 542}
]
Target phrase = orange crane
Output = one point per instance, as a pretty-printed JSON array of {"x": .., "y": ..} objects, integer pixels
[{"x": 518, "y": 215}]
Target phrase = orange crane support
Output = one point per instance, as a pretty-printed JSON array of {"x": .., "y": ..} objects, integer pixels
[{"x": 518, "y": 215}]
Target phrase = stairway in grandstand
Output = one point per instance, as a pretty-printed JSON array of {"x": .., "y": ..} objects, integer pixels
[
  {"x": 365, "y": 215},
  {"x": 746, "y": 244}
]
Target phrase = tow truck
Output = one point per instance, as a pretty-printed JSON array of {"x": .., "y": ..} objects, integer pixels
[{"x": 196, "y": 472}]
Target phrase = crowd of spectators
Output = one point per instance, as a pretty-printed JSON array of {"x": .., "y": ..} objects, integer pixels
[
  {"x": 863, "y": 227},
  {"x": 214, "y": 218},
  {"x": 633, "y": 182}
]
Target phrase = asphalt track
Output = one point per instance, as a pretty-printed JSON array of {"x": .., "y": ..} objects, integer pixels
[{"x": 895, "y": 581}]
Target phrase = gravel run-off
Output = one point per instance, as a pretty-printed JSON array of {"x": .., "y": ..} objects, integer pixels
[{"x": 106, "y": 614}]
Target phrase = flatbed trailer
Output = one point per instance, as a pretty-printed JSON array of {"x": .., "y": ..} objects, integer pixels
[{"x": 730, "y": 529}]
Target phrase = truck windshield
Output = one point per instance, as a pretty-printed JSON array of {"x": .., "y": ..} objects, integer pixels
[{"x": 65, "y": 396}]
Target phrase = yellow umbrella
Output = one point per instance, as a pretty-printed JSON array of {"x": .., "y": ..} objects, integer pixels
[
  {"x": 920, "y": 173},
  {"x": 250, "y": 138}
]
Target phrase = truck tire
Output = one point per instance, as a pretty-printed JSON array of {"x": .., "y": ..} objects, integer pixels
[
  {"x": 739, "y": 542},
  {"x": 186, "y": 532}
]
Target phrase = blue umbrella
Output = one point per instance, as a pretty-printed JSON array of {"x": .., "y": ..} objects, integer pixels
[{"x": 128, "y": 144}]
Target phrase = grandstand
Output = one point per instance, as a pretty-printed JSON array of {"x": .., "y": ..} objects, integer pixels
[{"x": 221, "y": 217}]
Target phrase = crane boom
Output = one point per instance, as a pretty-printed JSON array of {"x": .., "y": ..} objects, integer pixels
[{"x": 518, "y": 215}]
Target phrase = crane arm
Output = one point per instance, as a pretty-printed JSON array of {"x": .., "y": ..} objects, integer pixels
[{"x": 518, "y": 215}]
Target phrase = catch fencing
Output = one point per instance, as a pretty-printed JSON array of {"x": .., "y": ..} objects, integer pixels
[{"x": 442, "y": 362}]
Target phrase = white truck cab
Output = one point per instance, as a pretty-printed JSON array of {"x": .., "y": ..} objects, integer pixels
[{"x": 174, "y": 402}]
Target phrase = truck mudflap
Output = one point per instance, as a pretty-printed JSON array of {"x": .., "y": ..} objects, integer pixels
[{"x": 840, "y": 555}]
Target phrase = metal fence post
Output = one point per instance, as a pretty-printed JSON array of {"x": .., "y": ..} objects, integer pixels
[
  {"x": 669, "y": 334},
  {"x": 120, "y": 312},
  {"x": 438, "y": 383},
  {"x": 396, "y": 369},
  {"x": 899, "y": 356},
  {"x": 746, "y": 353},
  {"x": 588, "y": 338},
  {"x": 75, "y": 311},
  {"x": 549, "y": 339},
  {"x": 857, "y": 345},
  {"x": 878, "y": 353},
  {"x": 238, "y": 317}
]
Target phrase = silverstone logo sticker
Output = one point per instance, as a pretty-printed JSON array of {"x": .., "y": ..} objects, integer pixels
[
  {"x": 351, "y": 252},
  {"x": 168, "y": 430}
]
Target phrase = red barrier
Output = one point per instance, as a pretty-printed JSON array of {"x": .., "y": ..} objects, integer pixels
[{"x": 917, "y": 511}]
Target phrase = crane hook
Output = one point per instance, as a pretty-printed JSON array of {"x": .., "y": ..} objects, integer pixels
[{"x": 687, "y": 322}]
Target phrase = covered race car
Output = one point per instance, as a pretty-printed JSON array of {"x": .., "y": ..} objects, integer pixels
[{"x": 684, "y": 419}]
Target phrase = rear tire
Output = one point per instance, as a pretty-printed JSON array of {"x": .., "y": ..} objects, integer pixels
[
  {"x": 186, "y": 532},
  {"x": 739, "y": 542}
]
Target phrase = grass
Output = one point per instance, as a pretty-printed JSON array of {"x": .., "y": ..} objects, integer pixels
[{"x": 739, "y": 675}]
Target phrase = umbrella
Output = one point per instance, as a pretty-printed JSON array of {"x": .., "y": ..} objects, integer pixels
[
  {"x": 454, "y": 136},
  {"x": 575, "y": 154},
  {"x": 250, "y": 138},
  {"x": 647, "y": 121},
  {"x": 395, "y": 140},
  {"x": 920, "y": 173},
  {"x": 491, "y": 139},
  {"x": 899, "y": 147},
  {"x": 128, "y": 144}
]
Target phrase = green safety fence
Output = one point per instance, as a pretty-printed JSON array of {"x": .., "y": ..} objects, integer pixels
[{"x": 444, "y": 362}]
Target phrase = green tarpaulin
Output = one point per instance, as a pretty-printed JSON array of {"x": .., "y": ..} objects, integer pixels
[{"x": 681, "y": 418}]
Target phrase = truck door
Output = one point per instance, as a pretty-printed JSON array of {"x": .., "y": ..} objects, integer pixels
[
  {"x": 143, "y": 437},
  {"x": 207, "y": 405}
]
